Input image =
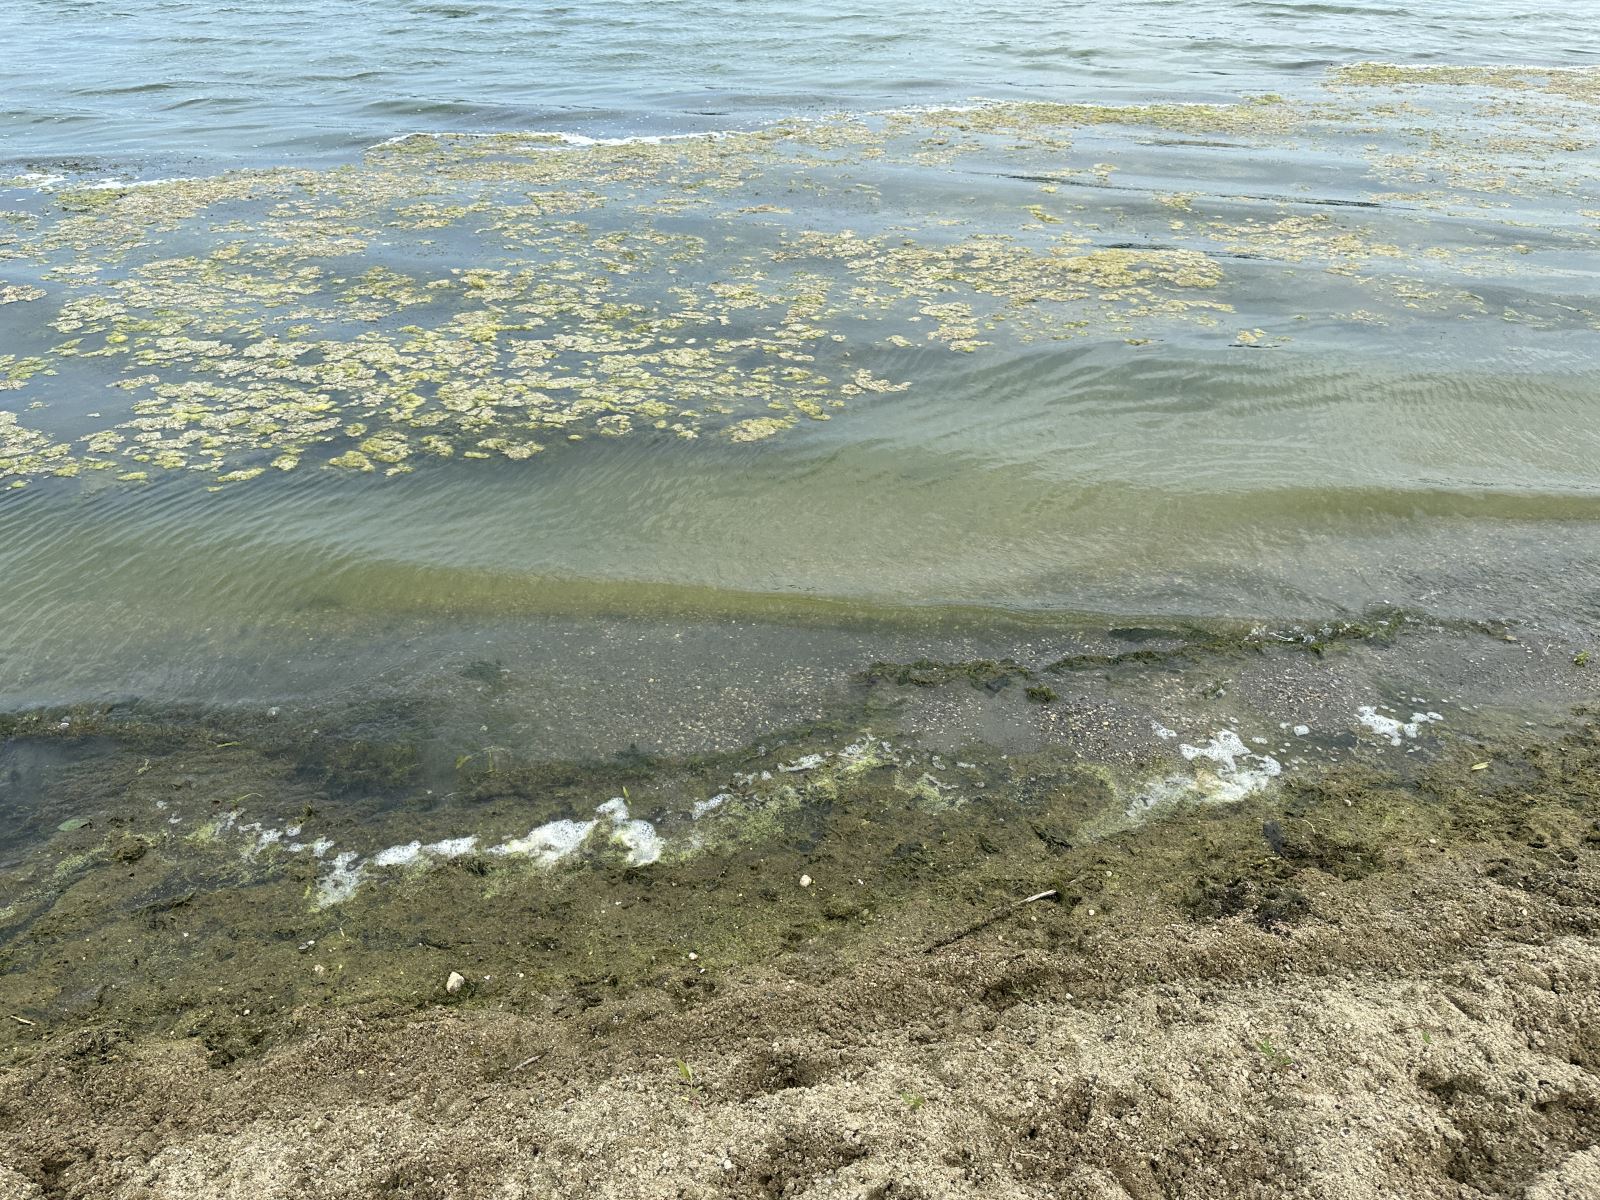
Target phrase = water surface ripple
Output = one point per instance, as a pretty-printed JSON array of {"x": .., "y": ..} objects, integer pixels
[{"x": 1241, "y": 336}]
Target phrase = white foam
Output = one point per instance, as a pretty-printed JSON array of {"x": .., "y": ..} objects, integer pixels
[
  {"x": 109, "y": 185},
  {"x": 711, "y": 804},
  {"x": 1227, "y": 750},
  {"x": 453, "y": 847},
  {"x": 341, "y": 881},
  {"x": 1238, "y": 771},
  {"x": 1392, "y": 729},
  {"x": 1531, "y": 68},
  {"x": 640, "y": 838},
  {"x": 645, "y": 139},
  {"x": 261, "y": 838},
  {"x": 806, "y": 762},
  {"x": 549, "y": 843},
  {"x": 412, "y": 852},
  {"x": 912, "y": 109},
  {"x": 1230, "y": 772},
  {"x": 554, "y": 841},
  {"x": 561, "y": 136},
  {"x": 398, "y": 856},
  {"x": 643, "y": 843},
  {"x": 582, "y": 140}
]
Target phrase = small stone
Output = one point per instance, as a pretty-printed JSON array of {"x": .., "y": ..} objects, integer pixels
[
  {"x": 805, "y": 881},
  {"x": 455, "y": 983}
]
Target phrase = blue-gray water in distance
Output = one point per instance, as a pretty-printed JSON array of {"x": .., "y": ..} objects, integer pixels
[
  {"x": 340, "y": 339},
  {"x": 129, "y": 82}
]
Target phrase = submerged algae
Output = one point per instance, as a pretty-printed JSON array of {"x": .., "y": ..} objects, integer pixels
[
  {"x": 1183, "y": 647},
  {"x": 871, "y": 825}
]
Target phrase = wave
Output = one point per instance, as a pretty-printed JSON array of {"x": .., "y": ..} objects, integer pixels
[{"x": 562, "y": 136}]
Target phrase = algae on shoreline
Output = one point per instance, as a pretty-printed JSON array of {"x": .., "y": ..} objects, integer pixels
[
  {"x": 249, "y": 837},
  {"x": 1198, "y": 946}
]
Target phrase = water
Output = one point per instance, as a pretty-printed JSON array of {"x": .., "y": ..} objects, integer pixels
[
  {"x": 207, "y": 82},
  {"x": 348, "y": 418}
]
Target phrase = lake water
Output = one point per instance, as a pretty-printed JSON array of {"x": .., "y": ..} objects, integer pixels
[
  {"x": 200, "y": 81},
  {"x": 343, "y": 344}
]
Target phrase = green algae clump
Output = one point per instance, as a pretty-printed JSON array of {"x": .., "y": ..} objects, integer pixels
[{"x": 533, "y": 293}]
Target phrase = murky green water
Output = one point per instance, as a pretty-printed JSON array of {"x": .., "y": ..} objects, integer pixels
[{"x": 715, "y": 420}]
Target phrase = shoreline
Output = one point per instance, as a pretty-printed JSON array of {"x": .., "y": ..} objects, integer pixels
[{"x": 837, "y": 993}]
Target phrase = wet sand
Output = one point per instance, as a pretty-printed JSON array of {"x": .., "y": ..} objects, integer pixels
[{"x": 1371, "y": 974}]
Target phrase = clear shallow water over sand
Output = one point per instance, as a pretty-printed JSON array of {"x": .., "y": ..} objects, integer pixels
[{"x": 1155, "y": 310}]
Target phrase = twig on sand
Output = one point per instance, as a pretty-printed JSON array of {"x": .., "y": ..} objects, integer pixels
[
  {"x": 988, "y": 921},
  {"x": 20, "y": 1020},
  {"x": 529, "y": 1061}
]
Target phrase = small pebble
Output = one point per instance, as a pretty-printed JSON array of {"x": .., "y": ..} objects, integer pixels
[
  {"x": 805, "y": 881},
  {"x": 455, "y": 983}
]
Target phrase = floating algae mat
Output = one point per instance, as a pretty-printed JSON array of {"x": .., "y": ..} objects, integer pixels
[{"x": 499, "y": 296}]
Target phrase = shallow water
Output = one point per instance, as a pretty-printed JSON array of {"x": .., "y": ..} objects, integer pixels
[{"x": 978, "y": 315}]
